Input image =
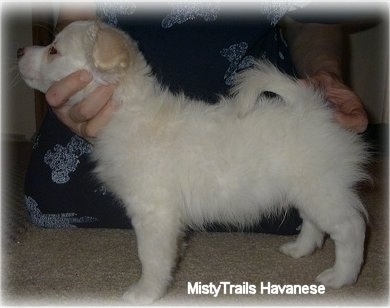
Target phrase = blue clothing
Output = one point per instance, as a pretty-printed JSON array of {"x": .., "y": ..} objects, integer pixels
[
  {"x": 194, "y": 51},
  {"x": 199, "y": 52}
]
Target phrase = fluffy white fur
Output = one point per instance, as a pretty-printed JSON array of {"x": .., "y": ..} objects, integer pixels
[{"x": 176, "y": 162}]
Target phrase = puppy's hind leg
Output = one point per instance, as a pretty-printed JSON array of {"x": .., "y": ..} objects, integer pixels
[
  {"x": 338, "y": 215},
  {"x": 349, "y": 242},
  {"x": 307, "y": 241},
  {"x": 158, "y": 234}
]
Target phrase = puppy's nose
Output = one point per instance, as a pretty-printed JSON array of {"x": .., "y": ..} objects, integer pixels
[{"x": 20, "y": 53}]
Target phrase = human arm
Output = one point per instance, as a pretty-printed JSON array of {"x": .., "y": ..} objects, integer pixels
[{"x": 316, "y": 50}]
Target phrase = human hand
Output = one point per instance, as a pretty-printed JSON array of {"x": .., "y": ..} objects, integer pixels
[
  {"x": 347, "y": 107},
  {"x": 88, "y": 117}
]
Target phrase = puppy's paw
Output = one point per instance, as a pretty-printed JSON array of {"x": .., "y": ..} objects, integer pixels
[
  {"x": 296, "y": 249},
  {"x": 335, "y": 278},
  {"x": 138, "y": 294}
]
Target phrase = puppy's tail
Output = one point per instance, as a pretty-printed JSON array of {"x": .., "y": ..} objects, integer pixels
[{"x": 263, "y": 78}]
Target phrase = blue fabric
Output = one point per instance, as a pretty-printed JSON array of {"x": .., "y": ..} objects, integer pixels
[
  {"x": 200, "y": 56},
  {"x": 61, "y": 190}
]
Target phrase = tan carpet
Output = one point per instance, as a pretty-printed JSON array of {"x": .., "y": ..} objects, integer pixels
[{"x": 95, "y": 266}]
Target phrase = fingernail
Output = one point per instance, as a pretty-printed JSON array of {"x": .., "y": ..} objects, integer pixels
[{"x": 85, "y": 76}]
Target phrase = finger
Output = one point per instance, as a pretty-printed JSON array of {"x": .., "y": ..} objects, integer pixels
[
  {"x": 62, "y": 90},
  {"x": 356, "y": 121},
  {"x": 349, "y": 111},
  {"x": 62, "y": 113},
  {"x": 347, "y": 107},
  {"x": 93, "y": 127},
  {"x": 91, "y": 106}
]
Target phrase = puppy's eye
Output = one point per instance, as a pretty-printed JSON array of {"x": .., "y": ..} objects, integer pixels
[{"x": 53, "y": 50}]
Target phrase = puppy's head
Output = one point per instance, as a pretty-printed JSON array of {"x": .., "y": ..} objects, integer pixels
[{"x": 104, "y": 51}]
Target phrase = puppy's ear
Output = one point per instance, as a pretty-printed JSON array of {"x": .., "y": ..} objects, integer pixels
[{"x": 111, "y": 50}]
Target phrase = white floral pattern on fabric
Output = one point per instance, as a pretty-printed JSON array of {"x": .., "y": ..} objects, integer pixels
[
  {"x": 101, "y": 190},
  {"x": 64, "y": 160},
  {"x": 276, "y": 10},
  {"x": 63, "y": 220},
  {"x": 184, "y": 11},
  {"x": 36, "y": 142},
  {"x": 189, "y": 11},
  {"x": 235, "y": 55},
  {"x": 112, "y": 9}
]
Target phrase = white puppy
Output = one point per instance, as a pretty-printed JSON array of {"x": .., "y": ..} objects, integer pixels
[{"x": 176, "y": 162}]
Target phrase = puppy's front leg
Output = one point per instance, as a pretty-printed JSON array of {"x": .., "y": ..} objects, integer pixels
[{"x": 158, "y": 233}]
